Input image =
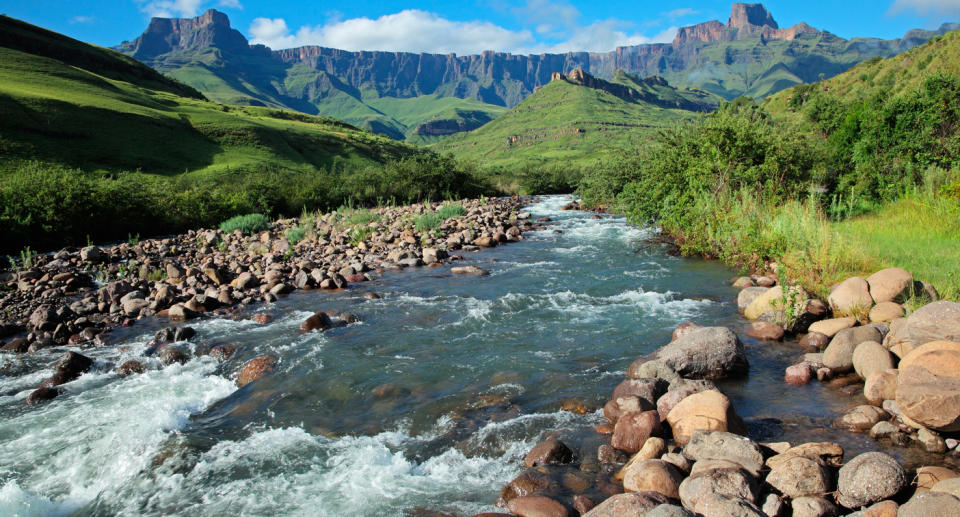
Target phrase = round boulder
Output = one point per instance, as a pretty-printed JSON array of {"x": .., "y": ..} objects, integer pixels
[
  {"x": 932, "y": 322},
  {"x": 550, "y": 452},
  {"x": 930, "y": 504},
  {"x": 885, "y": 312},
  {"x": 853, "y": 294},
  {"x": 880, "y": 386},
  {"x": 870, "y": 357},
  {"x": 800, "y": 477},
  {"x": 653, "y": 475},
  {"x": 708, "y": 411},
  {"x": 726, "y": 482},
  {"x": 890, "y": 284},
  {"x": 869, "y": 478},
  {"x": 255, "y": 368},
  {"x": 632, "y": 430},
  {"x": 705, "y": 353},
  {"x": 765, "y": 330}
]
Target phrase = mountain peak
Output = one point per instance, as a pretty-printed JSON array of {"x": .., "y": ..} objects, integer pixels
[
  {"x": 750, "y": 15},
  {"x": 163, "y": 35}
]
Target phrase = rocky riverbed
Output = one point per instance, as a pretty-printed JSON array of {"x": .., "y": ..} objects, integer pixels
[{"x": 529, "y": 379}]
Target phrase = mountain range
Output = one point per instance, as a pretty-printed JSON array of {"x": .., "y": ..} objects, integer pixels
[{"x": 424, "y": 97}]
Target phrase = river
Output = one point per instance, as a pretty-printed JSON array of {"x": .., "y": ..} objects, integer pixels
[{"x": 430, "y": 401}]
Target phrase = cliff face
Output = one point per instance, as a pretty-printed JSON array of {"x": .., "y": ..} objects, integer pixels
[{"x": 699, "y": 57}]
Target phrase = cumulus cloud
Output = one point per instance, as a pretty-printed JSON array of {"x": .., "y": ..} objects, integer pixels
[
  {"x": 180, "y": 8},
  {"x": 410, "y": 31},
  {"x": 420, "y": 31},
  {"x": 926, "y": 7}
]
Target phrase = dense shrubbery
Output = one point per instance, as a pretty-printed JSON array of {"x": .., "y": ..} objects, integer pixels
[
  {"x": 48, "y": 206},
  {"x": 247, "y": 224},
  {"x": 553, "y": 179}
]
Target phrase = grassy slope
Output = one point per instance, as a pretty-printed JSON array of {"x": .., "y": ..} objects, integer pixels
[
  {"x": 54, "y": 112},
  {"x": 774, "y": 65},
  {"x": 561, "y": 122}
]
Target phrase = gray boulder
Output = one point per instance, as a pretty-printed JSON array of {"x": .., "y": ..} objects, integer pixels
[
  {"x": 868, "y": 478},
  {"x": 703, "y": 353}
]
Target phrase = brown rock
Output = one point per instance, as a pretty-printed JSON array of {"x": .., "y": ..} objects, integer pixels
[
  {"x": 798, "y": 374},
  {"x": 927, "y": 477},
  {"x": 255, "y": 368},
  {"x": 623, "y": 505},
  {"x": 765, "y": 330},
  {"x": 549, "y": 452},
  {"x": 852, "y": 295},
  {"x": 684, "y": 329},
  {"x": 931, "y": 400},
  {"x": 881, "y": 386},
  {"x": 932, "y": 322},
  {"x": 42, "y": 394},
  {"x": 931, "y": 504},
  {"x": 222, "y": 352},
  {"x": 632, "y": 430},
  {"x": 537, "y": 506},
  {"x": 653, "y": 475},
  {"x": 884, "y": 312},
  {"x": 938, "y": 357},
  {"x": 527, "y": 483},
  {"x": 130, "y": 367},
  {"x": 799, "y": 476},
  {"x": 881, "y": 509},
  {"x": 830, "y": 327},
  {"x": 870, "y": 357},
  {"x": 583, "y": 504},
  {"x": 890, "y": 284},
  {"x": 815, "y": 341},
  {"x": 709, "y": 411},
  {"x": 319, "y": 321}
]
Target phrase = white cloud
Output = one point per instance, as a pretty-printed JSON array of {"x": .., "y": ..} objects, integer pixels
[
  {"x": 180, "y": 8},
  {"x": 926, "y": 7},
  {"x": 82, "y": 19},
  {"x": 420, "y": 31},
  {"x": 410, "y": 30}
]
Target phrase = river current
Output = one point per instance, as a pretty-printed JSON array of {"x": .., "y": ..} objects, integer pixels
[{"x": 430, "y": 401}]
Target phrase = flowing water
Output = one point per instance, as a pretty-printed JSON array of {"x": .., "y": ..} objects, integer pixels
[{"x": 430, "y": 401}]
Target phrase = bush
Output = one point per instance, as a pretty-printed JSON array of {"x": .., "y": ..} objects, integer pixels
[
  {"x": 295, "y": 235},
  {"x": 428, "y": 222},
  {"x": 558, "y": 179},
  {"x": 247, "y": 224},
  {"x": 451, "y": 210}
]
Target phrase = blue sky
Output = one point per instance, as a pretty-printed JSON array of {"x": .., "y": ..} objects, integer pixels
[{"x": 470, "y": 26}]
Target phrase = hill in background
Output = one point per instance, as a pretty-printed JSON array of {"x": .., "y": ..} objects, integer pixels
[
  {"x": 424, "y": 97},
  {"x": 576, "y": 118}
]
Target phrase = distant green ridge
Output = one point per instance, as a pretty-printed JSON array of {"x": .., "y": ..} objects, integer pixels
[{"x": 577, "y": 119}]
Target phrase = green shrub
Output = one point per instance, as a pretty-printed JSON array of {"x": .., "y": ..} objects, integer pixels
[
  {"x": 295, "y": 235},
  {"x": 450, "y": 210},
  {"x": 427, "y": 222},
  {"x": 557, "y": 179},
  {"x": 247, "y": 224}
]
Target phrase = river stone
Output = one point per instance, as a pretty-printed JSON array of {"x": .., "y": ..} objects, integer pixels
[
  {"x": 799, "y": 477},
  {"x": 652, "y": 475},
  {"x": 773, "y": 300},
  {"x": 838, "y": 355},
  {"x": 708, "y": 411},
  {"x": 831, "y": 327},
  {"x": 718, "y": 445},
  {"x": 798, "y": 374},
  {"x": 932, "y": 322},
  {"x": 632, "y": 430},
  {"x": 677, "y": 392},
  {"x": 647, "y": 390},
  {"x": 869, "y": 478},
  {"x": 929, "y": 476},
  {"x": 870, "y": 357},
  {"x": 634, "y": 503},
  {"x": 814, "y": 341},
  {"x": 885, "y": 312},
  {"x": 765, "y": 330},
  {"x": 826, "y": 453},
  {"x": 727, "y": 482},
  {"x": 530, "y": 482},
  {"x": 930, "y": 504},
  {"x": 705, "y": 353},
  {"x": 653, "y": 448},
  {"x": 643, "y": 369},
  {"x": 931, "y": 400},
  {"x": 748, "y": 295},
  {"x": 536, "y": 506},
  {"x": 318, "y": 321},
  {"x": 937, "y": 357},
  {"x": 813, "y": 507},
  {"x": 862, "y": 418},
  {"x": 668, "y": 510},
  {"x": 254, "y": 369},
  {"x": 882, "y": 509},
  {"x": 549, "y": 452},
  {"x": 42, "y": 394},
  {"x": 851, "y": 295},
  {"x": 714, "y": 505},
  {"x": 890, "y": 284},
  {"x": 684, "y": 328},
  {"x": 880, "y": 386},
  {"x": 932, "y": 442}
]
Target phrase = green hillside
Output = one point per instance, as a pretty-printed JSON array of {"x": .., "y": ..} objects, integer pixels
[
  {"x": 95, "y": 144},
  {"x": 569, "y": 122}
]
